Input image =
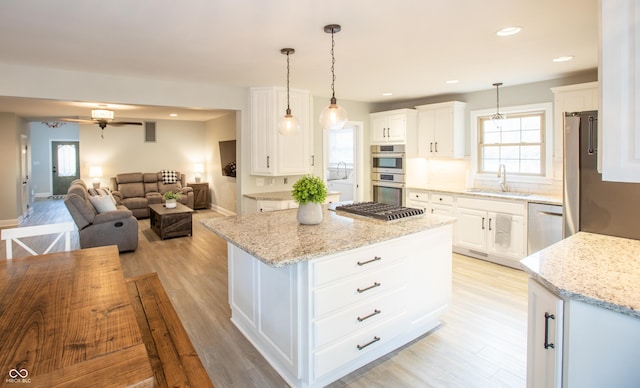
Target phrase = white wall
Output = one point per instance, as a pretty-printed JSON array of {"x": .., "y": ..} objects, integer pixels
[
  {"x": 179, "y": 145},
  {"x": 222, "y": 188}
]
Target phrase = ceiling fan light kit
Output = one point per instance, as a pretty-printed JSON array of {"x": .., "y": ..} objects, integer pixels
[
  {"x": 102, "y": 114},
  {"x": 102, "y": 117},
  {"x": 333, "y": 116}
]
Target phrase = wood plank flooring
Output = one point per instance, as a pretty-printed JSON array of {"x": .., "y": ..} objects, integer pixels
[{"x": 481, "y": 342}]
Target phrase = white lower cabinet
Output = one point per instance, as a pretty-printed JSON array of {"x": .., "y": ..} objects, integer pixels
[
  {"x": 544, "y": 338},
  {"x": 492, "y": 228},
  {"x": 321, "y": 319},
  {"x": 571, "y": 343}
]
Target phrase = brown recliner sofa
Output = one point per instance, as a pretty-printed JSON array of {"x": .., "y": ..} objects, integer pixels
[
  {"x": 137, "y": 190},
  {"x": 115, "y": 227}
]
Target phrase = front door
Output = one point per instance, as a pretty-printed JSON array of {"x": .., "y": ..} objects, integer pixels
[{"x": 65, "y": 165}]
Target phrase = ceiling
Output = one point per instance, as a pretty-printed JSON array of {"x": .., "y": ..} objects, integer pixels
[{"x": 405, "y": 47}]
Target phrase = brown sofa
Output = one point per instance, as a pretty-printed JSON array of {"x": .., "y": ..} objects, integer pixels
[
  {"x": 137, "y": 191},
  {"x": 95, "y": 229}
]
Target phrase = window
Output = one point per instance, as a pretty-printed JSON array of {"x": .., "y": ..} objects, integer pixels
[
  {"x": 340, "y": 147},
  {"x": 519, "y": 144}
]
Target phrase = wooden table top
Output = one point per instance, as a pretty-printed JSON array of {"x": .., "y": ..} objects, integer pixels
[
  {"x": 161, "y": 209},
  {"x": 66, "y": 320}
]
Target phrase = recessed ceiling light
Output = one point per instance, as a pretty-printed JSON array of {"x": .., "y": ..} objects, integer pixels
[
  {"x": 173, "y": 114},
  {"x": 387, "y": 94},
  {"x": 452, "y": 81},
  {"x": 563, "y": 58},
  {"x": 508, "y": 31}
]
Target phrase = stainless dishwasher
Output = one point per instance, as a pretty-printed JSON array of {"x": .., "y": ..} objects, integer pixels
[{"x": 544, "y": 227}]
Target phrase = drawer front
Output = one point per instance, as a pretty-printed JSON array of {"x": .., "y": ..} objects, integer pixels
[
  {"x": 357, "y": 345},
  {"x": 418, "y": 196},
  {"x": 356, "y": 262},
  {"x": 442, "y": 199},
  {"x": 359, "y": 317},
  {"x": 357, "y": 289}
]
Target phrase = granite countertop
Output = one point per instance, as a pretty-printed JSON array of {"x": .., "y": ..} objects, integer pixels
[
  {"x": 514, "y": 196},
  {"x": 277, "y": 239},
  {"x": 592, "y": 268},
  {"x": 278, "y": 195}
]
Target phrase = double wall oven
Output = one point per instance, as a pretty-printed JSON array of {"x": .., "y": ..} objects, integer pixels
[{"x": 387, "y": 174}]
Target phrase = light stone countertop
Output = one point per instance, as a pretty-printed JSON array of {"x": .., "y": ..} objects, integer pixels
[
  {"x": 600, "y": 270},
  {"x": 278, "y": 195},
  {"x": 277, "y": 239},
  {"x": 513, "y": 196}
]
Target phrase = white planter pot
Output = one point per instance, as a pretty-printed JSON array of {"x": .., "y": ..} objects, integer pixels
[
  {"x": 310, "y": 213},
  {"x": 171, "y": 203}
]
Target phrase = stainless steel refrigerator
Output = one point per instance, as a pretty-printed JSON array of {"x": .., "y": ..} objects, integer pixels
[{"x": 590, "y": 204}]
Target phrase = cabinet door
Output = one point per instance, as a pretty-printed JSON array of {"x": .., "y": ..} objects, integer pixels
[
  {"x": 268, "y": 206},
  {"x": 379, "y": 130},
  {"x": 471, "y": 229},
  {"x": 504, "y": 240},
  {"x": 262, "y": 125},
  {"x": 426, "y": 132},
  {"x": 294, "y": 150},
  {"x": 443, "y": 133},
  {"x": 544, "y": 337},
  {"x": 396, "y": 128}
]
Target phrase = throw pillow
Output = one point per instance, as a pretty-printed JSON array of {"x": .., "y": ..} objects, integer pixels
[
  {"x": 103, "y": 203},
  {"x": 169, "y": 176},
  {"x": 105, "y": 192}
]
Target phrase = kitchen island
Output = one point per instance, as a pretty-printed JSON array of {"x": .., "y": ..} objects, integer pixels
[
  {"x": 584, "y": 313},
  {"x": 320, "y": 301}
]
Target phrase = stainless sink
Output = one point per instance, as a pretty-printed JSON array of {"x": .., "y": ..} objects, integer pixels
[{"x": 498, "y": 193}]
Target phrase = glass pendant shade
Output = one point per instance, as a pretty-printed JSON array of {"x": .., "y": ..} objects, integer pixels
[
  {"x": 333, "y": 116},
  {"x": 288, "y": 124}
]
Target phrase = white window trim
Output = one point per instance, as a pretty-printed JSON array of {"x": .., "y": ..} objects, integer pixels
[{"x": 547, "y": 107}]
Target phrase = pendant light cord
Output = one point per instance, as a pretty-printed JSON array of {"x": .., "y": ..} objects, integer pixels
[
  {"x": 333, "y": 64},
  {"x": 288, "y": 108}
]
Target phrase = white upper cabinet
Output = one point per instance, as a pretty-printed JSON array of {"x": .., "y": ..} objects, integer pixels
[
  {"x": 391, "y": 127},
  {"x": 440, "y": 130},
  {"x": 572, "y": 98},
  {"x": 273, "y": 154},
  {"x": 619, "y": 118}
]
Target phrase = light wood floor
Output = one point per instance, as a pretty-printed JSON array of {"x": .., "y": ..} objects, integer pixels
[{"x": 481, "y": 342}]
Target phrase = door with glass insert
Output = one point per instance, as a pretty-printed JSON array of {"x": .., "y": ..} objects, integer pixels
[{"x": 65, "y": 165}]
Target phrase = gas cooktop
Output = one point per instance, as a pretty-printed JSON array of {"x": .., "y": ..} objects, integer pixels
[{"x": 380, "y": 211}]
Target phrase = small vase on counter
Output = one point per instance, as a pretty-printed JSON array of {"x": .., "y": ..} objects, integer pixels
[
  {"x": 310, "y": 213},
  {"x": 309, "y": 192}
]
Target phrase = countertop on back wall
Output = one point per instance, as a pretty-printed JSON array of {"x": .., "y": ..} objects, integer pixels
[
  {"x": 278, "y": 195},
  {"x": 600, "y": 270},
  {"x": 514, "y": 196}
]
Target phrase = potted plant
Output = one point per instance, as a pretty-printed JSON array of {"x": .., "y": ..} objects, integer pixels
[
  {"x": 309, "y": 192},
  {"x": 170, "y": 199}
]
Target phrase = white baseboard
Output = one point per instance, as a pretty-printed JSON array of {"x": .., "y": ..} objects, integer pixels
[{"x": 41, "y": 195}]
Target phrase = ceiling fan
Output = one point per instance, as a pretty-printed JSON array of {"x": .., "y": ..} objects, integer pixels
[{"x": 102, "y": 117}]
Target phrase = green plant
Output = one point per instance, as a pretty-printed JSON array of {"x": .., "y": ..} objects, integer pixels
[
  {"x": 309, "y": 188},
  {"x": 171, "y": 195}
]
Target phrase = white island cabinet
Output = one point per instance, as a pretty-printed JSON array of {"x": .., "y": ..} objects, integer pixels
[
  {"x": 325, "y": 302},
  {"x": 584, "y": 313}
]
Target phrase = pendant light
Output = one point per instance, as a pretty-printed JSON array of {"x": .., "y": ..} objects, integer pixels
[
  {"x": 498, "y": 118},
  {"x": 287, "y": 124},
  {"x": 333, "y": 116}
]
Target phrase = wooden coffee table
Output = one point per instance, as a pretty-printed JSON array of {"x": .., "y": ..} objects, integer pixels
[{"x": 174, "y": 222}]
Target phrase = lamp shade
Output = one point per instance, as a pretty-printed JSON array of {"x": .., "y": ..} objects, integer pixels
[
  {"x": 333, "y": 116},
  {"x": 288, "y": 124},
  {"x": 198, "y": 168},
  {"x": 95, "y": 172}
]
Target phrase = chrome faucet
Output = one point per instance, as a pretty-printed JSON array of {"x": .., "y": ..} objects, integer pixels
[
  {"x": 502, "y": 173},
  {"x": 346, "y": 174}
]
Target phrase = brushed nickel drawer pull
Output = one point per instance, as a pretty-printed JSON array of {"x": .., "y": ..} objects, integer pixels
[
  {"x": 374, "y": 285},
  {"x": 373, "y": 314},
  {"x": 373, "y": 341},
  {"x": 376, "y": 258}
]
